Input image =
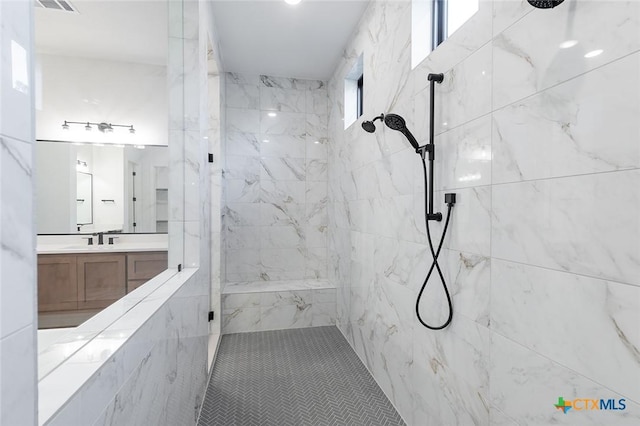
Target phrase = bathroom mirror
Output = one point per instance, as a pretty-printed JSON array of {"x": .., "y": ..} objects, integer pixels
[
  {"x": 88, "y": 188},
  {"x": 84, "y": 198},
  {"x": 102, "y": 120}
]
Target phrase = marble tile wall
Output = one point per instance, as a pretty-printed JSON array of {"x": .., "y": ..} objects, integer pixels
[
  {"x": 540, "y": 143},
  {"x": 275, "y": 178},
  {"x": 18, "y": 390},
  {"x": 278, "y": 305}
]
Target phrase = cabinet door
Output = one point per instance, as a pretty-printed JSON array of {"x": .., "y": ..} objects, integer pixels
[
  {"x": 57, "y": 283},
  {"x": 141, "y": 267},
  {"x": 101, "y": 279}
]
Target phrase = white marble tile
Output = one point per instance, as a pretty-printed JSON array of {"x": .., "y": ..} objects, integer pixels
[
  {"x": 242, "y": 214},
  {"x": 451, "y": 373},
  {"x": 282, "y": 168},
  {"x": 282, "y": 263},
  {"x": 18, "y": 385},
  {"x": 243, "y": 261},
  {"x": 529, "y": 305},
  {"x": 240, "y": 301},
  {"x": 316, "y": 170},
  {"x": 242, "y": 191},
  {"x": 316, "y": 263},
  {"x": 242, "y": 120},
  {"x": 285, "y": 100},
  {"x": 323, "y": 314},
  {"x": 454, "y": 105},
  {"x": 317, "y": 102},
  {"x": 277, "y": 286},
  {"x": 316, "y": 147},
  {"x": 18, "y": 245},
  {"x": 316, "y": 124},
  {"x": 315, "y": 236},
  {"x": 286, "y": 316},
  {"x": 242, "y": 96},
  {"x": 316, "y": 214},
  {"x": 585, "y": 224},
  {"x": 287, "y": 236},
  {"x": 277, "y": 214},
  {"x": 324, "y": 296},
  {"x": 282, "y": 192},
  {"x": 242, "y": 237},
  {"x": 16, "y": 113},
  {"x": 464, "y": 156},
  {"x": 282, "y": 123},
  {"x": 559, "y": 132},
  {"x": 527, "y": 61},
  {"x": 525, "y": 386},
  {"x": 242, "y": 79},
  {"x": 508, "y": 12},
  {"x": 282, "y": 146},
  {"x": 242, "y": 167},
  {"x": 283, "y": 82},
  {"x": 245, "y": 144}
]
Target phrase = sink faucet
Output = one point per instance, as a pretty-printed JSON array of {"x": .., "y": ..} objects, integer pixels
[{"x": 100, "y": 236}]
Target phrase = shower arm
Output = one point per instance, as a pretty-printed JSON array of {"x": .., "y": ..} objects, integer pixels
[{"x": 430, "y": 147}]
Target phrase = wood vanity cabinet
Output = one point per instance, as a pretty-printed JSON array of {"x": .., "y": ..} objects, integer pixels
[
  {"x": 101, "y": 279},
  {"x": 57, "y": 283},
  {"x": 141, "y": 267},
  {"x": 93, "y": 281}
]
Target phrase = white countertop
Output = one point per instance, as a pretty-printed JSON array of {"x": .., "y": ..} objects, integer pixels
[{"x": 70, "y": 244}]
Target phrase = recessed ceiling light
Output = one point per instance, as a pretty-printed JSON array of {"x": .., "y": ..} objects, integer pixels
[
  {"x": 317, "y": 142},
  {"x": 265, "y": 140},
  {"x": 593, "y": 53},
  {"x": 567, "y": 44},
  {"x": 272, "y": 114},
  {"x": 292, "y": 2}
]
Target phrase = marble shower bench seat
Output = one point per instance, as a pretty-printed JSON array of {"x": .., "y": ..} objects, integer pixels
[{"x": 277, "y": 305}]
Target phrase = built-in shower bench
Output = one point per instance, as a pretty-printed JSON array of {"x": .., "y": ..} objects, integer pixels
[{"x": 277, "y": 305}]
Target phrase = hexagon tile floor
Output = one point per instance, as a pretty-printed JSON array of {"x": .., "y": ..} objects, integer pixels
[{"x": 307, "y": 376}]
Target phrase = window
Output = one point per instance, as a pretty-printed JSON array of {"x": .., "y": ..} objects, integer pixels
[
  {"x": 360, "y": 95},
  {"x": 354, "y": 93},
  {"x": 433, "y": 21}
]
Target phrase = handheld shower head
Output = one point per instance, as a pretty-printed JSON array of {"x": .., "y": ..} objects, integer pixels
[{"x": 395, "y": 122}]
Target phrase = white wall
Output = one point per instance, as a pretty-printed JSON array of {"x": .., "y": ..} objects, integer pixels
[
  {"x": 540, "y": 144},
  {"x": 18, "y": 394},
  {"x": 56, "y": 188},
  {"x": 79, "y": 89}
]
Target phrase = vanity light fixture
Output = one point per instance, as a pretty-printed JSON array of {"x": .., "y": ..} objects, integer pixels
[{"x": 103, "y": 127}]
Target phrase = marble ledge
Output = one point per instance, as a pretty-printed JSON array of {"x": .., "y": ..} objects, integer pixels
[
  {"x": 273, "y": 286},
  {"x": 72, "y": 372}
]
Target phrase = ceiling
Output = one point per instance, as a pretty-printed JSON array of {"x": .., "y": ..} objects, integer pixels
[
  {"x": 129, "y": 31},
  {"x": 274, "y": 38},
  {"x": 256, "y": 37}
]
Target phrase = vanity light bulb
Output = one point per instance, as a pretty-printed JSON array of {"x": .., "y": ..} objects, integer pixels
[
  {"x": 87, "y": 127},
  {"x": 65, "y": 126},
  {"x": 132, "y": 130}
]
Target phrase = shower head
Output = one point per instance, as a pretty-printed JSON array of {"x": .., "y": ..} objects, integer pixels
[
  {"x": 544, "y": 4},
  {"x": 368, "y": 126},
  {"x": 395, "y": 122}
]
